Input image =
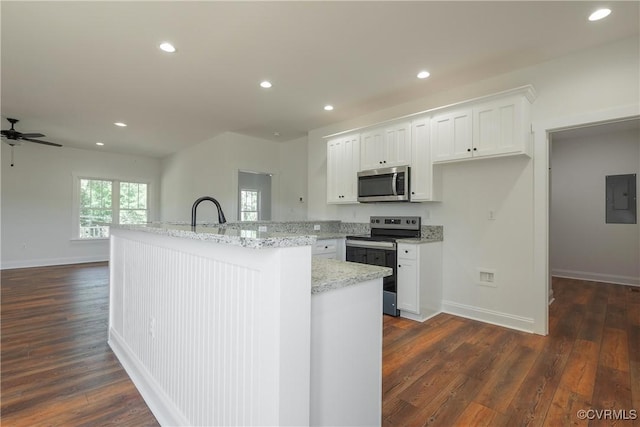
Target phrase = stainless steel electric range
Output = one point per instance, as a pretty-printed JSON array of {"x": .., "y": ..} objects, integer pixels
[{"x": 380, "y": 248}]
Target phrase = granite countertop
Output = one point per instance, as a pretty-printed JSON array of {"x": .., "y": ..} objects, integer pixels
[
  {"x": 229, "y": 236},
  {"x": 329, "y": 274},
  {"x": 418, "y": 240},
  {"x": 328, "y": 236}
]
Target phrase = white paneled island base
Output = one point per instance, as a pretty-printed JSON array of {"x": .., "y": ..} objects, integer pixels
[
  {"x": 217, "y": 327},
  {"x": 346, "y": 356}
]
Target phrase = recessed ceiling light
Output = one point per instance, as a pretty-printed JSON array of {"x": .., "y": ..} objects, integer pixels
[
  {"x": 599, "y": 14},
  {"x": 266, "y": 84},
  {"x": 276, "y": 134},
  {"x": 167, "y": 47},
  {"x": 122, "y": 125},
  {"x": 328, "y": 107},
  {"x": 100, "y": 143},
  {"x": 423, "y": 74}
]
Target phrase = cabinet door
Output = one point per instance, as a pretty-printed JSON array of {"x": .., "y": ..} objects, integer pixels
[
  {"x": 408, "y": 289},
  {"x": 497, "y": 128},
  {"x": 371, "y": 149},
  {"x": 397, "y": 145},
  {"x": 343, "y": 161},
  {"x": 421, "y": 168},
  {"x": 451, "y": 135},
  {"x": 334, "y": 148},
  {"x": 334, "y": 154},
  {"x": 350, "y": 168}
]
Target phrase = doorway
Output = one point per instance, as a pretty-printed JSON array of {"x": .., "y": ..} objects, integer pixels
[
  {"x": 254, "y": 196},
  {"x": 583, "y": 244},
  {"x": 541, "y": 237}
]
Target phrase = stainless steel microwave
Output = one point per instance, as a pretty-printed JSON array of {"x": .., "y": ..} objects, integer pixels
[{"x": 384, "y": 185}]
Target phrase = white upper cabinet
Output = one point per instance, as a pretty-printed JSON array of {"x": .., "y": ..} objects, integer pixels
[
  {"x": 493, "y": 126},
  {"x": 425, "y": 181},
  {"x": 398, "y": 144},
  {"x": 496, "y": 127},
  {"x": 451, "y": 135},
  {"x": 343, "y": 163},
  {"x": 386, "y": 147},
  {"x": 371, "y": 149}
]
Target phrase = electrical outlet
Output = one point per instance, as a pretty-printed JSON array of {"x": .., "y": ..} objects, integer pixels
[
  {"x": 316, "y": 227},
  {"x": 262, "y": 228},
  {"x": 152, "y": 326}
]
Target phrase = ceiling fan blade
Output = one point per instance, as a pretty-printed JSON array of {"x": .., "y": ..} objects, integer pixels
[
  {"x": 31, "y": 135},
  {"x": 42, "y": 142}
]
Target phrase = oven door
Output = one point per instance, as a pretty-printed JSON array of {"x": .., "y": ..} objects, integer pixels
[
  {"x": 378, "y": 253},
  {"x": 384, "y": 185}
]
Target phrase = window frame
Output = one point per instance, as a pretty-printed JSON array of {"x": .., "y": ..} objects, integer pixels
[{"x": 115, "y": 202}]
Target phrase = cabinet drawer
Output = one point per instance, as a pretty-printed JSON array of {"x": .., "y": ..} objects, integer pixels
[
  {"x": 407, "y": 251},
  {"x": 324, "y": 247}
]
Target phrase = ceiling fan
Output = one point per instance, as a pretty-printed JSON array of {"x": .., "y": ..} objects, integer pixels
[{"x": 13, "y": 137}]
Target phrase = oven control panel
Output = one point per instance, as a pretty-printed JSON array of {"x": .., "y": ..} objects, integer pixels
[{"x": 396, "y": 222}]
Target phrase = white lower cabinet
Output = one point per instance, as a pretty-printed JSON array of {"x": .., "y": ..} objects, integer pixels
[
  {"x": 419, "y": 280},
  {"x": 329, "y": 248}
]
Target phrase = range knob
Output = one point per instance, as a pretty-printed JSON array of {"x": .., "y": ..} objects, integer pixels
[
  {"x": 413, "y": 221},
  {"x": 407, "y": 221},
  {"x": 377, "y": 221}
]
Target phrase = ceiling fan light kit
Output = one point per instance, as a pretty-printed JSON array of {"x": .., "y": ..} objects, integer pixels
[{"x": 13, "y": 137}]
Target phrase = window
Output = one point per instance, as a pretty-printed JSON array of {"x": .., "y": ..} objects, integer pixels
[
  {"x": 102, "y": 202},
  {"x": 133, "y": 203},
  {"x": 96, "y": 197},
  {"x": 249, "y": 203}
]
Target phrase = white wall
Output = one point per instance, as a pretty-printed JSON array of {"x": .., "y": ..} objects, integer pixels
[
  {"x": 211, "y": 168},
  {"x": 573, "y": 86},
  {"x": 293, "y": 181},
  {"x": 37, "y": 201},
  {"x": 583, "y": 245}
]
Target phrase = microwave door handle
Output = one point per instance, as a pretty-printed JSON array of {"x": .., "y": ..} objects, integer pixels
[{"x": 394, "y": 184}]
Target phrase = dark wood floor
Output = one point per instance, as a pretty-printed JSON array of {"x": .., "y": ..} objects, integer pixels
[
  {"x": 57, "y": 369},
  {"x": 451, "y": 371}
]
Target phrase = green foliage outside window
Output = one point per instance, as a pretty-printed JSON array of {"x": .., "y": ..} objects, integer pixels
[
  {"x": 133, "y": 203},
  {"x": 98, "y": 205},
  {"x": 249, "y": 202}
]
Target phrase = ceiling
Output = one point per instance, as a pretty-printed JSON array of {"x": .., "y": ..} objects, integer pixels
[{"x": 72, "y": 69}]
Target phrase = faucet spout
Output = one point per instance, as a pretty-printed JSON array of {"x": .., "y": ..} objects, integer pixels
[{"x": 194, "y": 209}]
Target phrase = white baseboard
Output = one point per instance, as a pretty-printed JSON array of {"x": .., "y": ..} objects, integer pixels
[
  {"x": 596, "y": 277},
  {"x": 28, "y": 263},
  {"x": 511, "y": 321},
  {"x": 158, "y": 402},
  {"x": 419, "y": 317}
]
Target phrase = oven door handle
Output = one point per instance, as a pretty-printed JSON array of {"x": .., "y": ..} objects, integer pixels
[
  {"x": 371, "y": 244},
  {"x": 394, "y": 184}
]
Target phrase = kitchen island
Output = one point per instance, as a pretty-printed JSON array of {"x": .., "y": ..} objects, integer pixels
[{"x": 219, "y": 326}]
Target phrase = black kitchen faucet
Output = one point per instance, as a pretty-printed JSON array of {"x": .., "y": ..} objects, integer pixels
[{"x": 194, "y": 208}]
